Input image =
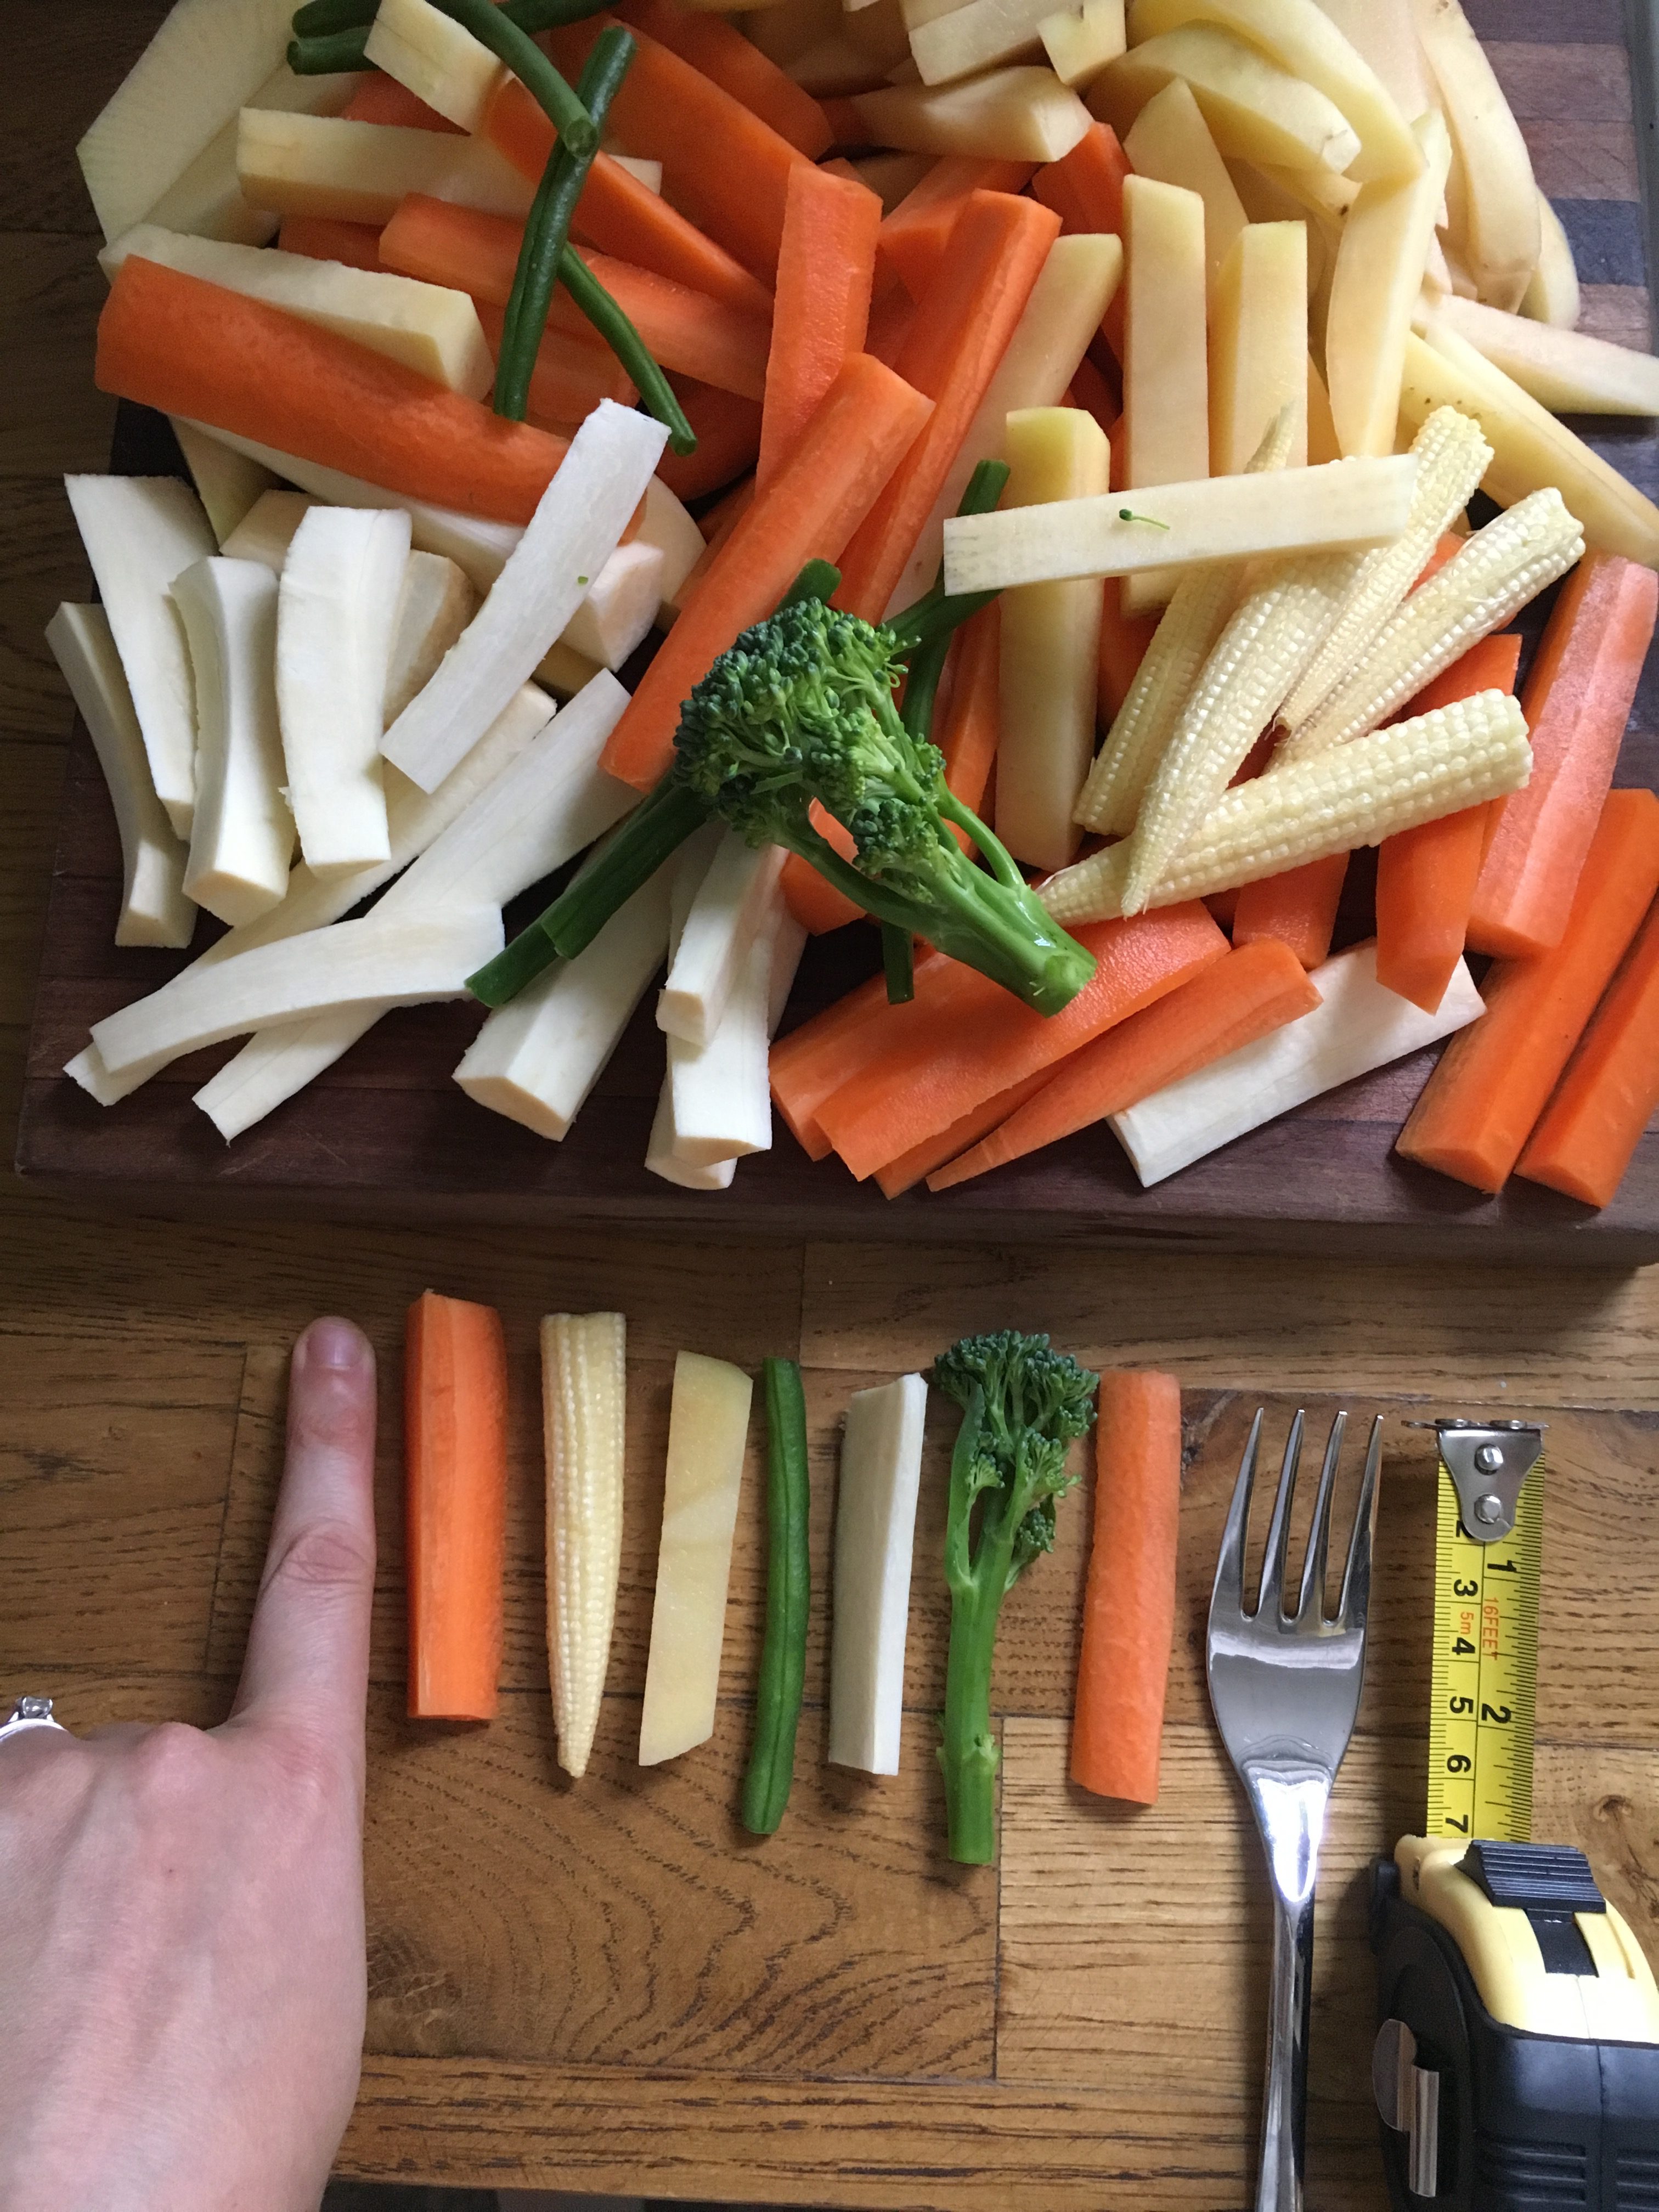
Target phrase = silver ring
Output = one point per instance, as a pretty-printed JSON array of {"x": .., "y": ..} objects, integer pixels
[{"x": 31, "y": 1713}]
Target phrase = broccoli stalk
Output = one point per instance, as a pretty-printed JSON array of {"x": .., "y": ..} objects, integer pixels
[{"x": 1023, "y": 1404}]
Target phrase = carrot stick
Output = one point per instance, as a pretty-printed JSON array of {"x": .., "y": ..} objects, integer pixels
[
  {"x": 471, "y": 251},
  {"x": 736, "y": 64},
  {"x": 727, "y": 428},
  {"x": 1129, "y": 1604},
  {"x": 997, "y": 249},
  {"x": 727, "y": 169},
  {"x": 217, "y": 356},
  {"x": 1577, "y": 699},
  {"x": 975, "y": 1039},
  {"x": 1297, "y": 909},
  {"x": 810, "y": 509},
  {"x": 1495, "y": 1078},
  {"x": 455, "y": 1458},
  {"x": 1595, "y": 1122},
  {"x": 325, "y": 237},
  {"x": 1085, "y": 188},
  {"x": 1123, "y": 642},
  {"x": 1255, "y": 989},
  {"x": 815, "y": 1060},
  {"x": 891, "y": 321},
  {"x": 826, "y": 266},
  {"x": 914, "y": 235},
  {"x": 1425, "y": 878},
  {"x": 911, "y": 1168},
  {"x": 380, "y": 99},
  {"x": 569, "y": 377},
  {"x": 621, "y": 215}
]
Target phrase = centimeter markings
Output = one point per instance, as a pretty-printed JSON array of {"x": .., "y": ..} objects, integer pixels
[{"x": 1486, "y": 1670}]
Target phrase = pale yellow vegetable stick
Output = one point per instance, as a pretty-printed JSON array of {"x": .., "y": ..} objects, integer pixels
[
  {"x": 1079, "y": 42},
  {"x": 1166, "y": 404},
  {"x": 1499, "y": 236},
  {"x": 1531, "y": 451},
  {"x": 1358, "y": 794},
  {"x": 437, "y": 58},
  {"x": 1568, "y": 372},
  {"x": 1318, "y": 192},
  {"x": 708, "y": 1423},
  {"x": 982, "y": 32},
  {"x": 1256, "y": 111},
  {"x": 1265, "y": 200},
  {"x": 1382, "y": 33},
  {"x": 1259, "y": 345},
  {"x": 360, "y": 172},
  {"x": 584, "y": 1407},
  {"x": 1050, "y": 648},
  {"x": 1551, "y": 293},
  {"x": 1374, "y": 291},
  {"x": 1321, "y": 428},
  {"x": 1018, "y": 115},
  {"x": 1171, "y": 141},
  {"x": 1303, "y": 40}
]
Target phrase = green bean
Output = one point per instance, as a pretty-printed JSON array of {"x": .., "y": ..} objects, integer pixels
[
  {"x": 898, "y": 964},
  {"x": 630, "y": 347},
  {"x": 934, "y": 615},
  {"x": 549, "y": 14},
  {"x": 318, "y": 17},
  {"x": 783, "y": 1658},
  {"x": 493, "y": 28},
  {"x": 819, "y": 580},
  {"x": 330, "y": 51}
]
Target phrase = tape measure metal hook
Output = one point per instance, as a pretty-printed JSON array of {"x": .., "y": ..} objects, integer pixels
[{"x": 1488, "y": 1462}]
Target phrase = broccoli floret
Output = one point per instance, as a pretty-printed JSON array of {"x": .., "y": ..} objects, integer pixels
[
  {"x": 801, "y": 708},
  {"x": 1023, "y": 1404}
]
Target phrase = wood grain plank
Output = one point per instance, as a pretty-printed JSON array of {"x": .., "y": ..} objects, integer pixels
[
  {"x": 51, "y": 291},
  {"x": 64, "y": 58},
  {"x": 1582, "y": 82},
  {"x": 1548, "y": 23},
  {"x": 1583, "y": 161},
  {"x": 1622, "y": 314},
  {"x": 42, "y": 563},
  {"x": 32, "y": 777}
]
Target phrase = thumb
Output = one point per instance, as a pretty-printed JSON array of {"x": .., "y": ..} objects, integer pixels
[{"x": 308, "y": 1648}]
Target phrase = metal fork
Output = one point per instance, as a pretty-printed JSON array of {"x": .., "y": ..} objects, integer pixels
[{"x": 1285, "y": 1688}]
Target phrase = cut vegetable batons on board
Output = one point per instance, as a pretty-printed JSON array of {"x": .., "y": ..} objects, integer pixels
[
  {"x": 241, "y": 837},
  {"x": 329, "y": 165},
  {"x": 455, "y": 1473},
  {"x": 578, "y": 523},
  {"x": 536, "y": 1058},
  {"x": 1568, "y": 372},
  {"x": 337, "y": 611},
  {"x": 139, "y": 533},
  {"x": 584, "y": 1419},
  {"x": 1301, "y": 38},
  {"x": 1358, "y": 1025},
  {"x": 436, "y": 59},
  {"x": 427, "y": 328},
  {"x": 1259, "y": 345},
  {"x": 1017, "y": 114},
  {"x": 875, "y": 1535},
  {"x": 228, "y": 485},
  {"x": 1375, "y": 289},
  {"x": 1256, "y": 111},
  {"x": 1496, "y": 225},
  {"x": 154, "y": 907},
  {"x": 720, "y": 1097},
  {"x": 982, "y": 32},
  {"x": 707, "y": 1429},
  {"x": 1551, "y": 293},
  {"x": 1166, "y": 391},
  {"x": 733, "y": 906},
  {"x": 1170, "y": 142}
]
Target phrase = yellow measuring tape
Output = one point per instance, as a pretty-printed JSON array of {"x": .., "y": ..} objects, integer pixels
[{"x": 1486, "y": 1631}]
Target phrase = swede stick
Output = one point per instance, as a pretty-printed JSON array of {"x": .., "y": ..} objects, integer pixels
[{"x": 875, "y": 1533}]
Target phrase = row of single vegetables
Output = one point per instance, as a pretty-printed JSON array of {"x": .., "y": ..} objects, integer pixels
[
  {"x": 991, "y": 305},
  {"x": 1024, "y": 1406}
]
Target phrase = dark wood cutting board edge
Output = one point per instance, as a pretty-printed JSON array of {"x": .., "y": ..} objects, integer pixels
[{"x": 1325, "y": 1179}]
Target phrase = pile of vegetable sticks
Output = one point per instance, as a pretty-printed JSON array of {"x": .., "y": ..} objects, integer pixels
[
  {"x": 1023, "y": 1404},
  {"x": 1194, "y": 275}
]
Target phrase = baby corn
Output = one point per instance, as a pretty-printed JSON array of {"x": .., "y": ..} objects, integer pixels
[
  {"x": 1493, "y": 576},
  {"x": 584, "y": 1388},
  {"x": 1356, "y": 794},
  {"x": 1452, "y": 456}
]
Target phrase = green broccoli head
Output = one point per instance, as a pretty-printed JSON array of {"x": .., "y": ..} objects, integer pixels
[{"x": 1033, "y": 1402}]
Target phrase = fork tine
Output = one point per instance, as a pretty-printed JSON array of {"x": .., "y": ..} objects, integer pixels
[
  {"x": 1279, "y": 1528},
  {"x": 1229, "y": 1589},
  {"x": 1313, "y": 1567},
  {"x": 1357, "y": 1575}
]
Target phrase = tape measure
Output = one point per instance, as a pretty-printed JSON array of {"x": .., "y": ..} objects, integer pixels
[{"x": 1489, "y": 1529}]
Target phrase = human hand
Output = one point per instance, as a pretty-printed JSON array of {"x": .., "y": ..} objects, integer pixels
[{"x": 182, "y": 1975}]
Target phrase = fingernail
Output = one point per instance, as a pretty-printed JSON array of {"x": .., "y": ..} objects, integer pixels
[{"x": 334, "y": 1343}]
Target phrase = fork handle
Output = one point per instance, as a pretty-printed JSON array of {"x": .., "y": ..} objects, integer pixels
[{"x": 1285, "y": 2102}]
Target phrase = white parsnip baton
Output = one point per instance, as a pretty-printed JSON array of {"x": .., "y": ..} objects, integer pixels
[
  {"x": 584, "y": 1409},
  {"x": 733, "y": 905},
  {"x": 1351, "y": 795},
  {"x": 1452, "y": 456},
  {"x": 1189, "y": 626},
  {"x": 1494, "y": 574}
]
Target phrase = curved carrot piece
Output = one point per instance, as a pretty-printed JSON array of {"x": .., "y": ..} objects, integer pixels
[
  {"x": 914, "y": 235},
  {"x": 736, "y": 64},
  {"x": 815, "y": 1060},
  {"x": 1495, "y": 1078},
  {"x": 727, "y": 429},
  {"x": 1297, "y": 909},
  {"x": 911, "y": 1168},
  {"x": 961, "y": 330},
  {"x": 1129, "y": 1604},
  {"x": 977, "y": 1039},
  {"x": 455, "y": 1458},
  {"x": 569, "y": 377},
  {"x": 621, "y": 215},
  {"x": 813, "y": 504},
  {"x": 826, "y": 266},
  {"x": 1577, "y": 700},
  {"x": 194, "y": 348},
  {"x": 1595, "y": 1119},
  {"x": 1255, "y": 989},
  {"x": 1085, "y": 190},
  {"x": 325, "y": 237},
  {"x": 1425, "y": 878}
]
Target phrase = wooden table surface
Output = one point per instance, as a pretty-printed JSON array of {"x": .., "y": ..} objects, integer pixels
[{"x": 604, "y": 1987}]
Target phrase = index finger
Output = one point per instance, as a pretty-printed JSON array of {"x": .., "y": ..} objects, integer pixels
[{"x": 308, "y": 1648}]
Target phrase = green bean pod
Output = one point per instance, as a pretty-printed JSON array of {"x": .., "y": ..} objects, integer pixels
[
  {"x": 494, "y": 28},
  {"x": 630, "y": 347},
  {"x": 328, "y": 52},
  {"x": 319, "y": 17},
  {"x": 934, "y": 616},
  {"x": 783, "y": 1660}
]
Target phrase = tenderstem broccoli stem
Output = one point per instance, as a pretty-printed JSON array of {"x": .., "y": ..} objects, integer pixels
[
  {"x": 928, "y": 624},
  {"x": 898, "y": 961}
]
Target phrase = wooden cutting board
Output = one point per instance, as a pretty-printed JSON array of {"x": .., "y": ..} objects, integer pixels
[{"x": 386, "y": 1134}]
